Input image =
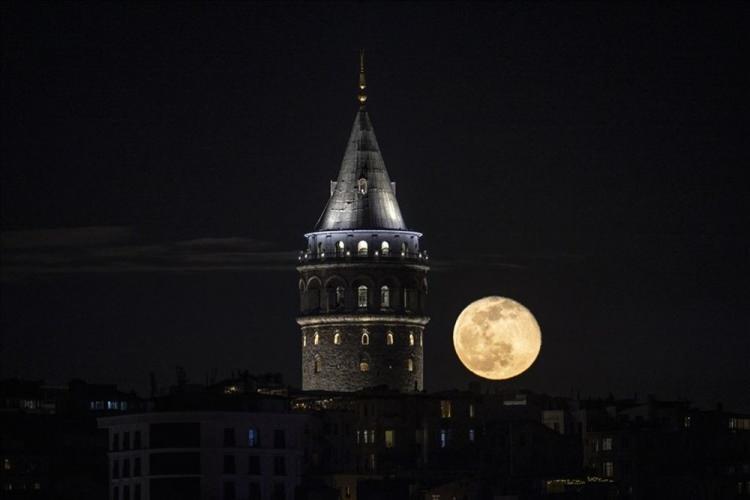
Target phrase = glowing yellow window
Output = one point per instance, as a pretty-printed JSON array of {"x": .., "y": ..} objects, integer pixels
[
  {"x": 446, "y": 410},
  {"x": 389, "y": 438}
]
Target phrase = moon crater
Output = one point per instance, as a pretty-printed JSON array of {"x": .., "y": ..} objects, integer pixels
[{"x": 497, "y": 338}]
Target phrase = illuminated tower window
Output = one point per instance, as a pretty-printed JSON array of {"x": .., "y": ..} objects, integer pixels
[
  {"x": 362, "y": 248},
  {"x": 337, "y": 338},
  {"x": 304, "y": 340},
  {"x": 410, "y": 364},
  {"x": 316, "y": 364},
  {"x": 385, "y": 296},
  {"x": 362, "y": 186},
  {"x": 365, "y": 339},
  {"x": 364, "y": 365},
  {"x": 340, "y": 249},
  {"x": 411, "y": 338},
  {"x": 389, "y": 338},
  {"x": 362, "y": 296},
  {"x": 316, "y": 338},
  {"x": 385, "y": 248}
]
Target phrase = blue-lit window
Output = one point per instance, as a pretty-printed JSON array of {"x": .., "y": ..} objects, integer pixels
[
  {"x": 444, "y": 437},
  {"x": 253, "y": 438},
  {"x": 472, "y": 436}
]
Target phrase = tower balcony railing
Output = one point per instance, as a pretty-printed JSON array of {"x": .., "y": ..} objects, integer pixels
[{"x": 306, "y": 256}]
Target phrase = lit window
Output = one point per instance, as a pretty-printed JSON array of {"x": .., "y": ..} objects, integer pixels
[
  {"x": 385, "y": 248},
  {"x": 389, "y": 338},
  {"x": 339, "y": 296},
  {"x": 316, "y": 364},
  {"x": 369, "y": 436},
  {"x": 421, "y": 335},
  {"x": 471, "y": 435},
  {"x": 471, "y": 410},
  {"x": 411, "y": 338},
  {"x": 304, "y": 340},
  {"x": 340, "y": 249},
  {"x": 446, "y": 409},
  {"x": 365, "y": 339},
  {"x": 686, "y": 422},
  {"x": 608, "y": 469},
  {"x": 607, "y": 444},
  {"x": 362, "y": 185},
  {"x": 410, "y": 365},
  {"x": 389, "y": 438},
  {"x": 403, "y": 248},
  {"x": 362, "y": 248},
  {"x": 337, "y": 338},
  {"x": 443, "y": 438},
  {"x": 364, "y": 366},
  {"x": 6, "y": 464},
  {"x": 385, "y": 296},
  {"x": 362, "y": 296},
  {"x": 253, "y": 438},
  {"x": 316, "y": 338}
]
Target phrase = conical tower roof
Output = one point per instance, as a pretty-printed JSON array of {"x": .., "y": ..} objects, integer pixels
[{"x": 363, "y": 196}]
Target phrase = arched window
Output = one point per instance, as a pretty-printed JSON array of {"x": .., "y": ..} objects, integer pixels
[
  {"x": 316, "y": 364},
  {"x": 362, "y": 186},
  {"x": 385, "y": 296},
  {"x": 340, "y": 249},
  {"x": 365, "y": 339},
  {"x": 421, "y": 336},
  {"x": 304, "y": 340},
  {"x": 411, "y": 338},
  {"x": 389, "y": 338},
  {"x": 364, "y": 365},
  {"x": 385, "y": 248},
  {"x": 316, "y": 339},
  {"x": 362, "y": 248},
  {"x": 410, "y": 364},
  {"x": 339, "y": 296},
  {"x": 337, "y": 338},
  {"x": 403, "y": 248},
  {"x": 362, "y": 296}
]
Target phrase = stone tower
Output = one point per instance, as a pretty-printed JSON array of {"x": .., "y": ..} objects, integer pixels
[{"x": 363, "y": 279}]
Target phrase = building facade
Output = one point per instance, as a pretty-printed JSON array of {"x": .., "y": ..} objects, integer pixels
[
  {"x": 201, "y": 455},
  {"x": 363, "y": 279}
]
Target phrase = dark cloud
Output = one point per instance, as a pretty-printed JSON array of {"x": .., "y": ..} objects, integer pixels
[{"x": 118, "y": 249}]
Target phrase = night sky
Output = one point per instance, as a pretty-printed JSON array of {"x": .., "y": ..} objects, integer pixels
[{"x": 160, "y": 164}]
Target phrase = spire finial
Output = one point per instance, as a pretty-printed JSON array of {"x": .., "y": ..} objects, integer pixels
[{"x": 362, "y": 96}]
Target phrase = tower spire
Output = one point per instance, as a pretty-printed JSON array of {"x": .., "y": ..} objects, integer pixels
[{"x": 362, "y": 96}]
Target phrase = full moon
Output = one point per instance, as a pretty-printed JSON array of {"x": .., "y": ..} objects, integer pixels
[{"x": 497, "y": 338}]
